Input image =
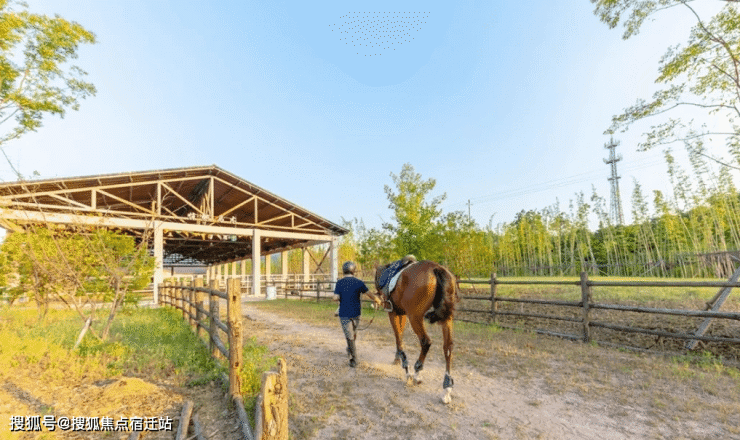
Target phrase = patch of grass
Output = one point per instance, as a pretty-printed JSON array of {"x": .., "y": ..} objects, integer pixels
[
  {"x": 696, "y": 364},
  {"x": 255, "y": 361},
  {"x": 155, "y": 341}
]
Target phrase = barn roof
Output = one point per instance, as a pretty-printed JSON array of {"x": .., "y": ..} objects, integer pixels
[{"x": 209, "y": 214}]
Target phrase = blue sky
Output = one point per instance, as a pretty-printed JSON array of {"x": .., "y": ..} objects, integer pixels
[{"x": 503, "y": 103}]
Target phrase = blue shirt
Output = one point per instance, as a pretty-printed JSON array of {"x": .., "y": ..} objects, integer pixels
[{"x": 349, "y": 290}]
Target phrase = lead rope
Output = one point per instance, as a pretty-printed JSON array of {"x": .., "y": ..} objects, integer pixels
[{"x": 371, "y": 321}]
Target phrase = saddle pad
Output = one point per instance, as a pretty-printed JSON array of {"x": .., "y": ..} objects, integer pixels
[{"x": 394, "y": 280}]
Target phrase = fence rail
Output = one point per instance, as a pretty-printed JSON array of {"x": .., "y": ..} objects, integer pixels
[
  {"x": 582, "y": 312},
  {"x": 586, "y": 305}
]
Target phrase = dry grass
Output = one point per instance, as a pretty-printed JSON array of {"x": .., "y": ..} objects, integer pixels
[
  {"x": 670, "y": 388},
  {"x": 151, "y": 365}
]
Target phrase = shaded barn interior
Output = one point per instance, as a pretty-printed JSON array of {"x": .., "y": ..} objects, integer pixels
[{"x": 190, "y": 216}]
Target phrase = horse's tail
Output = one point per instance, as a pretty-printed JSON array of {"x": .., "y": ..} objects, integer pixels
[{"x": 445, "y": 296}]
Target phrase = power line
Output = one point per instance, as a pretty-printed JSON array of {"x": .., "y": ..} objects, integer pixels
[{"x": 549, "y": 185}]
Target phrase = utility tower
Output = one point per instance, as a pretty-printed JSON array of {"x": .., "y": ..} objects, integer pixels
[{"x": 616, "y": 203}]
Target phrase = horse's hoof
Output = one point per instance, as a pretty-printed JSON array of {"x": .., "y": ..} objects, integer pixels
[
  {"x": 396, "y": 361},
  {"x": 447, "y": 398},
  {"x": 409, "y": 380}
]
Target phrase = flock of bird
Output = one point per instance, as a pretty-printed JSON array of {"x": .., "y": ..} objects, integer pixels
[{"x": 371, "y": 33}]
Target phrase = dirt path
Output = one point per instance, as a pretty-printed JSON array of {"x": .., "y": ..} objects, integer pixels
[{"x": 331, "y": 400}]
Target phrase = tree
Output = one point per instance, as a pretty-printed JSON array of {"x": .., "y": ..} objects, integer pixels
[
  {"x": 34, "y": 76},
  {"x": 416, "y": 228},
  {"x": 78, "y": 267},
  {"x": 702, "y": 76}
]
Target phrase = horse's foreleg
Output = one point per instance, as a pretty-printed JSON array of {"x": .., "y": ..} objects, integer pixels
[
  {"x": 398, "y": 323},
  {"x": 447, "y": 383},
  {"x": 417, "y": 323}
]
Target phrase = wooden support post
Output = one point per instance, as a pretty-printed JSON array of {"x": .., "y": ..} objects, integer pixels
[
  {"x": 233, "y": 307},
  {"x": 306, "y": 264},
  {"x": 256, "y": 271},
  {"x": 158, "y": 275},
  {"x": 213, "y": 306},
  {"x": 318, "y": 290},
  {"x": 586, "y": 304},
  {"x": 333, "y": 260},
  {"x": 494, "y": 305},
  {"x": 199, "y": 303},
  {"x": 271, "y": 418}
]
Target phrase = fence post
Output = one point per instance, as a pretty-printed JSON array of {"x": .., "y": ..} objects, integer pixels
[
  {"x": 271, "y": 409},
  {"x": 163, "y": 291},
  {"x": 318, "y": 290},
  {"x": 173, "y": 293},
  {"x": 181, "y": 294},
  {"x": 213, "y": 306},
  {"x": 198, "y": 282},
  {"x": 193, "y": 310},
  {"x": 168, "y": 292},
  {"x": 233, "y": 307},
  {"x": 586, "y": 304},
  {"x": 494, "y": 306}
]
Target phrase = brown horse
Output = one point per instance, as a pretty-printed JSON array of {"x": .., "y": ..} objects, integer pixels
[{"x": 424, "y": 290}]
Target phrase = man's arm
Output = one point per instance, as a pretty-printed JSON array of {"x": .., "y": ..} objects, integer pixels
[{"x": 336, "y": 296}]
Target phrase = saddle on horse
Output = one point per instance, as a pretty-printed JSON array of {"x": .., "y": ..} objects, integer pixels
[{"x": 387, "y": 283}]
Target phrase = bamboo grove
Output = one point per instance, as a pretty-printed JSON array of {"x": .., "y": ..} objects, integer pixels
[{"x": 693, "y": 232}]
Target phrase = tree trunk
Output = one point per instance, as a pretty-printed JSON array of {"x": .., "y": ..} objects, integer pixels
[{"x": 116, "y": 302}]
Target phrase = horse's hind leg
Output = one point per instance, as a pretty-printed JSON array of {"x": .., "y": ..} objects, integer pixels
[
  {"x": 448, "y": 344},
  {"x": 417, "y": 323}
]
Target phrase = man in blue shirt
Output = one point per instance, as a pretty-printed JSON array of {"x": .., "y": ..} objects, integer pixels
[{"x": 348, "y": 292}]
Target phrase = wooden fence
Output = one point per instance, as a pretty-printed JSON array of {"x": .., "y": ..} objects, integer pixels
[
  {"x": 581, "y": 312},
  {"x": 586, "y": 306},
  {"x": 189, "y": 297}
]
